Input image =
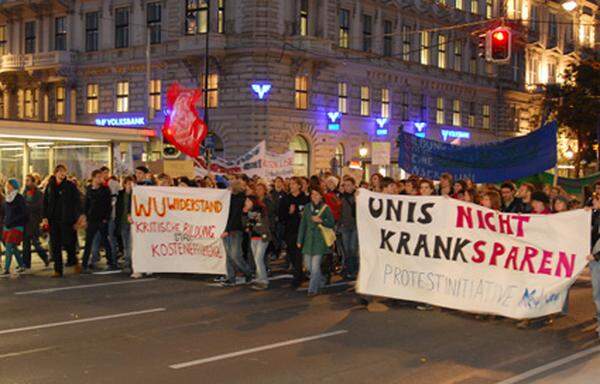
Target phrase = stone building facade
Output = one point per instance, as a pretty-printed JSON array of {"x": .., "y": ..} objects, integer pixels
[{"x": 383, "y": 63}]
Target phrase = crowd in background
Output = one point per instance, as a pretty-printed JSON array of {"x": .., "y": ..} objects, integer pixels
[{"x": 306, "y": 226}]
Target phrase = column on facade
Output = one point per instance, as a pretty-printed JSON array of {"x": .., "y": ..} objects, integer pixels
[
  {"x": 70, "y": 103},
  {"x": 46, "y": 27},
  {"x": 10, "y": 100},
  {"x": 397, "y": 38},
  {"x": 43, "y": 102},
  {"x": 137, "y": 24},
  {"x": 323, "y": 17},
  {"x": 39, "y": 33},
  {"x": 378, "y": 32},
  {"x": 355, "y": 31},
  {"x": 213, "y": 14},
  {"x": 106, "y": 26}
]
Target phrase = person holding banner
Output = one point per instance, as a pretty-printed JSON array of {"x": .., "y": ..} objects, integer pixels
[
  {"x": 594, "y": 257},
  {"x": 348, "y": 228},
  {"x": 311, "y": 239},
  {"x": 290, "y": 214}
]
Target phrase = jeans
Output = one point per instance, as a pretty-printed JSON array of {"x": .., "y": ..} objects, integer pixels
[
  {"x": 595, "y": 272},
  {"x": 90, "y": 233},
  {"x": 112, "y": 239},
  {"x": 12, "y": 249},
  {"x": 235, "y": 260},
  {"x": 35, "y": 241},
  {"x": 62, "y": 236},
  {"x": 350, "y": 244},
  {"x": 126, "y": 236},
  {"x": 313, "y": 264},
  {"x": 259, "y": 247}
]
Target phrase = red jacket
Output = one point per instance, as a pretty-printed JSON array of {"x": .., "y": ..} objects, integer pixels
[{"x": 335, "y": 204}]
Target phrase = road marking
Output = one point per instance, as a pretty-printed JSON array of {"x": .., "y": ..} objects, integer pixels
[
  {"x": 50, "y": 290},
  {"x": 14, "y": 354},
  {"x": 549, "y": 366},
  {"x": 241, "y": 281},
  {"x": 79, "y": 321},
  {"x": 257, "y": 349},
  {"x": 341, "y": 283},
  {"x": 108, "y": 272}
]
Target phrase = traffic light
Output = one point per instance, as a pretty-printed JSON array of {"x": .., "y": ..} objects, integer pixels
[{"x": 498, "y": 45}]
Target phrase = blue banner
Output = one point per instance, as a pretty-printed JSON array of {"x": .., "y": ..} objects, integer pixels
[{"x": 486, "y": 163}]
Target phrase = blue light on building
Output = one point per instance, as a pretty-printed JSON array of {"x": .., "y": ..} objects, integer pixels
[
  {"x": 381, "y": 124},
  {"x": 120, "y": 121},
  {"x": 334, "y": 121},
  {"x": 452, "y": 134},
  {"x": 420, "y": 129},
  {"x": 261, "y": 89}
]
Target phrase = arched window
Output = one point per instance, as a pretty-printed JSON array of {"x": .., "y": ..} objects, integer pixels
[
  {"x": 301, "y": 156},
  {"x": 339, "y": 159}
]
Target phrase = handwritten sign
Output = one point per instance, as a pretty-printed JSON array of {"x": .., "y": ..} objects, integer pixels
[
  {"x": 178, "y": 229},
  {"x": 458, "y": 255}
]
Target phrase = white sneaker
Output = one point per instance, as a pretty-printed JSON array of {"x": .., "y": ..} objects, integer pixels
[{"x": 136, "y": 275}]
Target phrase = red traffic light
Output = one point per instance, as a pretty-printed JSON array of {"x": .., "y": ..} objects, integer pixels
[{"x": 498, "y": 45}]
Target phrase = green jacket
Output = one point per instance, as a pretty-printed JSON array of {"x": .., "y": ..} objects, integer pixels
[{"x": 309, "y": 233}]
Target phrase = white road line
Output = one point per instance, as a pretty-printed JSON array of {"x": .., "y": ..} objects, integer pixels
[
  {"x": 549, "y": 366},
  {"x": 15, "y": 354},
  {"x": 341, "y": 283},
  {"x": 50, "y": 290},
  {"x": 108, "y": 272},
  {"x": 241, "y": 281},
  {"x": 79, "y": 321},
  {"x": 257, "y": 349}
]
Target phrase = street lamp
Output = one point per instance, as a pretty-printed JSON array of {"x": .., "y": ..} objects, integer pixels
[
  {"x": 363, "y": 152},
  {"x": 569, "y": 5},
  {"x": 569, "y": 154}
]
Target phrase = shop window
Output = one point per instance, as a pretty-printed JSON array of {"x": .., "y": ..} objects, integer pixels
[
  {"x": 91, "y": 31},
  {"x": 155, "y": 97},
  {"x": 343, "y": 97},
  {"x": 92, "y": 98},
  {"x": 365, "y": 101},
  {"x": 344, "y": 28},
  {"x": 123, "y": 96},
  {"x": 301, "y": 150},
  {"x": 154, "y": 18},
  {"x": 196, "y": 17},
  {"x": 211, "y": 89},
  {"x": 60, "y": 34},
  {"x": 301, "y": 92},
  {"x": 385, "y": 103},
  {"x": 60, "y": 101},
  {"x": 30, "y": 37},
  {"x": 121, "y": 27},
  {"x": 439, "y": 113}
]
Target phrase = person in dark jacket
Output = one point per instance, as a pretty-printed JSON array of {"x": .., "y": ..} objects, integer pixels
[
  {"x": 510, "y": 203},
  {"x": 232, "y": 237},
  {"x": 290, "y": 214},
  {"x": 594, "y": 256},
  {"x": 273, "y": 202},
  {"x": 123, "y": 219},
  {"x": 15, "y": 218},
  {"x": 62, "y": 211},
  {"x": 97, "y": 211},
  {"x": 348, "y": 228},
  {"x": 34, "y": 198},
  {"x": 256, "y": 224}
]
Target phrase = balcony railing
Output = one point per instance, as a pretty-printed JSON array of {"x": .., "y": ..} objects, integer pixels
[{"x": 35, "y": 61}]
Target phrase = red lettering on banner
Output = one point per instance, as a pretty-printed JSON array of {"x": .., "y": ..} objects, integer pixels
[
  {"x": 464, "y": 214},
  {"x": 504, "y": 222},
  {"x": 488, "y": 221},
  {"x": 480, "y": 254},
  {"x": 492, "y": 221},
  {"x": 530, "y": 253},
  {"x": 566, "y": 262},
  {"x": 512, "y": 258},
  {"x": 546, "y": 259},
  {"x": 497, "y": 251}
]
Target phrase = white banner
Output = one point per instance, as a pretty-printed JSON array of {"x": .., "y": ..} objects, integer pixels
[
  {"x": 448, "y": 253},
  {"x": 178, "y": 229},
  {"x": 257, "y": 161}
]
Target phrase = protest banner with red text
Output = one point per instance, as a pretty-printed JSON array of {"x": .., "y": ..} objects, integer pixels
[
  {"x": 178, "y": 229},
  {"x": 458, "y": 255}
]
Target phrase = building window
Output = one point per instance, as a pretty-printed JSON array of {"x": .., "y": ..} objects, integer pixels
[
  {"x": 425, "y": 48},
  {"x": 339, "y": 159},
  {"x": 367, "y": 32},
  {"x": 196, "y": 16},
  {"x": 344, "y": 30},
  {"x": 485, "y": 111},
  {"x": 458, "y": 48},
  {"x": 155, "y": 99},
  {"x": 121, "y": 27},
  {"x": 471, "y": 120},
  {"x": 456, "y": 113},
  {"x": 385, "y": 103},
  {"x": 92, "y": 98},
  {"x": 439, "y": 113},
  {"x": 30, "y": 37},
  {"x": 533, "y": 21},
  {"x": 475, "y": 6},
  {"x": 489, "y": 9},
  {"x": 458, "y": 4},
  {"x": 552, "y": 31},
  {"x": 551, "y": 73},
  {"x": 301, "y": 92},
  {"x": 473, "y": 60},
  {"x": 221, "y": 16},
  {"x": 60, "y": 34},
  {"x": 406, "y": 37},
  {"x": 301, "y": 149},
  {"x": 3, "y": 44},
  {"x": 60, "y": 101},
  {"x": 28, "y": 103},
  {"x": 123, "y": 96},
  {"x": 387, "y": 38},
  {"x": 405, "y": 106},
  {"x": 211, "y": 89},
  {"x": 441, "y": 51},
  {"x": 423, "y": 108},
  {"x": 153, "y": 18},
  {"x": 343, "y": 97},
  {"x": 91, "y": 31},
  {"x": 365, "y": 101},
  {"x": 303, "y": 17}
]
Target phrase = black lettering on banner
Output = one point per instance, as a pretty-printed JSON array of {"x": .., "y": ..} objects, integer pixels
[
  {"x": 385, "y": 239},
  {"x": 458, "y": 249},
  {"x": 426, "y": 219},
  {"x": 375, "y": 212},
  {"x": 396, "y": 209},
  {"x": 441, "y": 248},
  {"x": 403, "y": 243},
  {"x": 411, "y": 212},
  {"x": 422, "y": 245}
]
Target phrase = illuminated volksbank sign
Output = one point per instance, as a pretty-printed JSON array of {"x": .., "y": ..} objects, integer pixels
[{"x": 125, "y": 121}]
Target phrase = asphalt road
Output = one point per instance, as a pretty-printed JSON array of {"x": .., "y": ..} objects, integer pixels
[{"x": 183, "y": 329}]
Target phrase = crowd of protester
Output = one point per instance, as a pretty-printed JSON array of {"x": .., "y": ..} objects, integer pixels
[{"x": 286, "y": 222}]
